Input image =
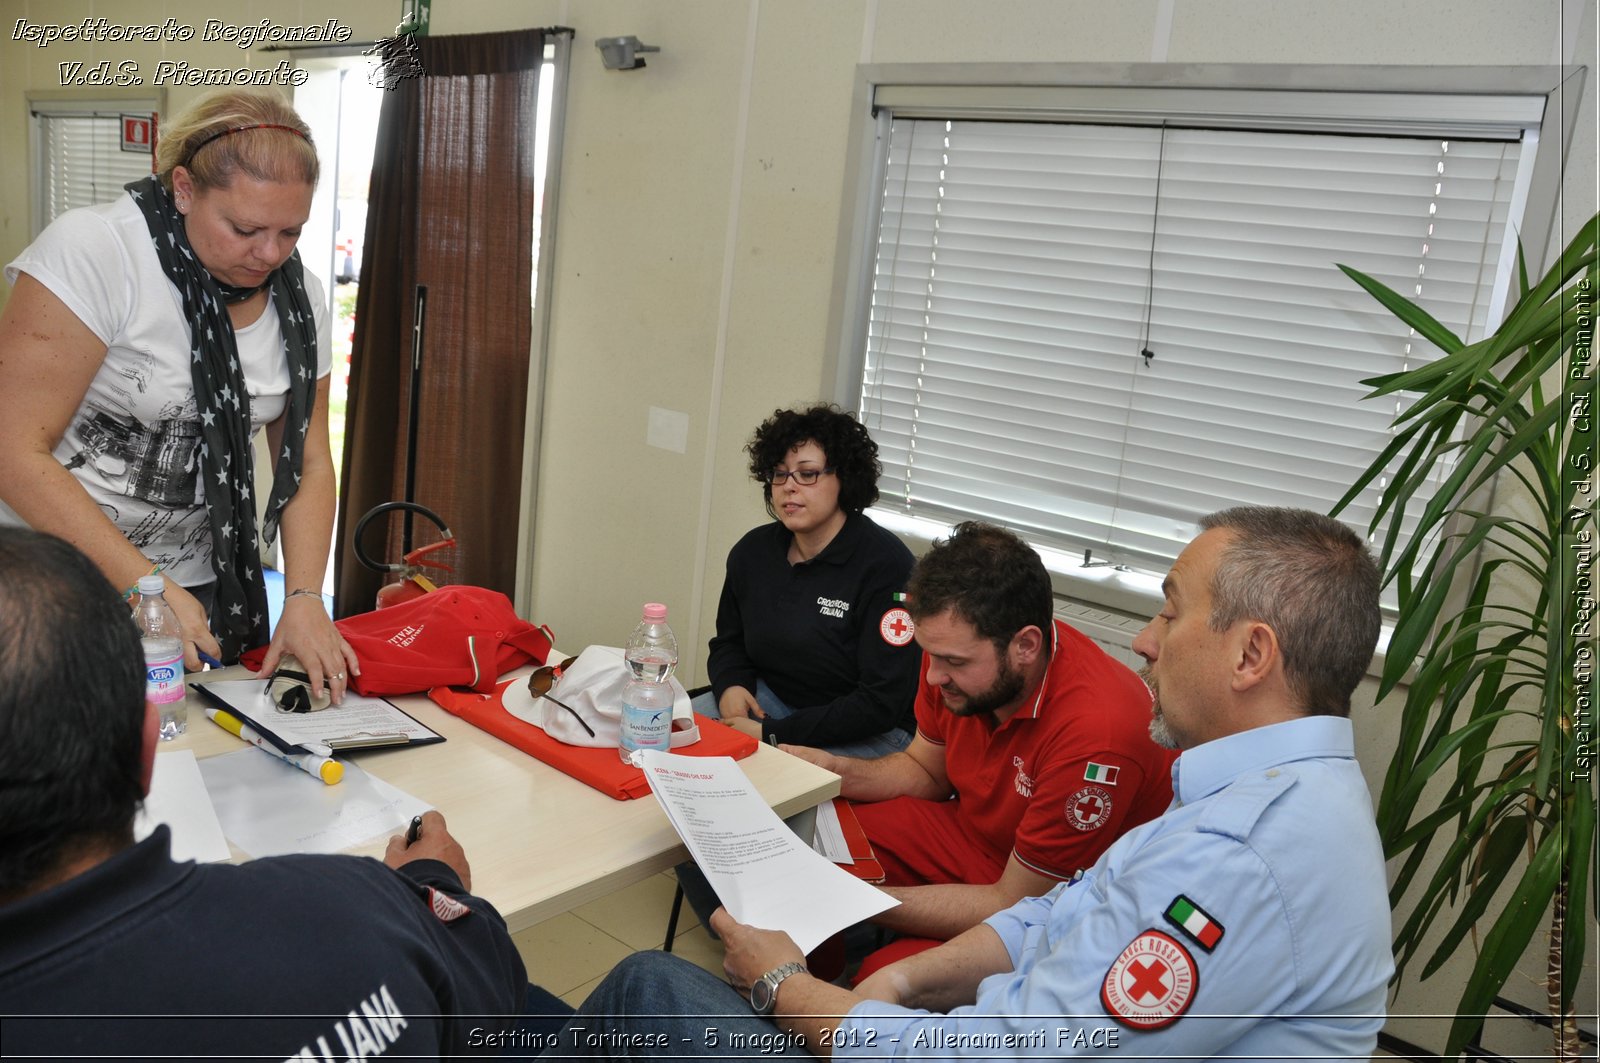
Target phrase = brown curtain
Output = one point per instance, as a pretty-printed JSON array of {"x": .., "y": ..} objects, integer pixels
[{"x": 451, "y": 206}]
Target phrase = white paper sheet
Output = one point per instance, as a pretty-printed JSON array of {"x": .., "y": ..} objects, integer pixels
[
  {"x": 763, "y": 874},
  {"x": 178, "y": 798},
  {"x": 828, "y": 838},
  {"x": 268, "y": 807}
]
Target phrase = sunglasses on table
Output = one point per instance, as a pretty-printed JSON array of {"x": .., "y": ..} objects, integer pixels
[
  {"x": 542, "y": 679},
  {"x": 289, "y": 689}
]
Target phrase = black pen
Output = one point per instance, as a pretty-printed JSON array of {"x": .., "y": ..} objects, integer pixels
[{"x": 414, "y": 831}]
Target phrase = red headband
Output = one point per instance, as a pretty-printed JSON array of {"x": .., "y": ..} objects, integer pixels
[{"x": 229, "y": 131}]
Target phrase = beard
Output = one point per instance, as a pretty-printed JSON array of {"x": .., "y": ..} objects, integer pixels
[
  {"x": 1005, "y": 689},
  {"x": 1160, "y": 733}
]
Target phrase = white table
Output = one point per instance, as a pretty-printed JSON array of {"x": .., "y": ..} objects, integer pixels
[{"x": 539, "y": 842}]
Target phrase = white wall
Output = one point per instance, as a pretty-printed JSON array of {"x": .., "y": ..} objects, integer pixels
[{"x": 700, "y": 198}]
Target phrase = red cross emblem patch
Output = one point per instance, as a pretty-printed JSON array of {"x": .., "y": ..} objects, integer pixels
[
  {"x": 1089, "y": 808},
  {"x": 1151, "y": 984},
  {"x": 896, "y": 627}
]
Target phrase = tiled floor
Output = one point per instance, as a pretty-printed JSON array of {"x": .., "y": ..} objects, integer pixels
[{"x": 569, "y": 954}]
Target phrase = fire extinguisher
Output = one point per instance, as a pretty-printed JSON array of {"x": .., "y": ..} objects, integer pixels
[{"x": 412, "y": 582}]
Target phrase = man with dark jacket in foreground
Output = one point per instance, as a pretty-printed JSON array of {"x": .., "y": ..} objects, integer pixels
[{"x": 110, "y": 948}]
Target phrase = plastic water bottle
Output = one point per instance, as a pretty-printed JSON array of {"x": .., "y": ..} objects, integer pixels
[
  {"x": 652, "y": 654},
  {"x": 652, "y": 651},
  {"x": 162, "y": 639}
]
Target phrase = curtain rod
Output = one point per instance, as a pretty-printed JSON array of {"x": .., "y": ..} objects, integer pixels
[{"x": 358, "y": 47}]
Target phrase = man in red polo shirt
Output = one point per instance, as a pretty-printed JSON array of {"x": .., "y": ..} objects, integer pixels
[{"x": 1032, "y": 753}]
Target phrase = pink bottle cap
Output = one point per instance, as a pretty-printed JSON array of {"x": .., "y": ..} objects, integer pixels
[{"x": 655, "y": 612}]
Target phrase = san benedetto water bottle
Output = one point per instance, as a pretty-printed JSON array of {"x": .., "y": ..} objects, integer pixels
[
  {"x": 652, "y": 654},
  {"x": 162, "y": 638}
]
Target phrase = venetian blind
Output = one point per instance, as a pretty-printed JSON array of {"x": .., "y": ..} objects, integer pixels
[
  {"x": 83, "y": 162},
  {"x": 1022, "y": 269}
]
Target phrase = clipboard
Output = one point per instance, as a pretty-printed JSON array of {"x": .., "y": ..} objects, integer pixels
[{"x": 359, "y": 723}]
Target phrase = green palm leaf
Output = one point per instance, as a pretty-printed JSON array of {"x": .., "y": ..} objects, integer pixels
[{"x": 1486, "y": 611}]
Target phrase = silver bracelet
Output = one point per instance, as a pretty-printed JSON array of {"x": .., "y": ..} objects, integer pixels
[{"x": 306, "y": 592}]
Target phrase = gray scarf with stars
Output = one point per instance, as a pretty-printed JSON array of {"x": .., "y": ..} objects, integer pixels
[{"x": 239, "y": 608}]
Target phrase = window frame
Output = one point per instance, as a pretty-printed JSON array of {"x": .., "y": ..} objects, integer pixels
[
  {"x": 1460, "y": 101},
  {"x": 64, "y": 102}
]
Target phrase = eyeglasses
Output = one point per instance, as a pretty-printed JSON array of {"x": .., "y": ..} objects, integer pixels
[
  {"x": 542, "y": 679},
  {"x": 803, "y": 477}
]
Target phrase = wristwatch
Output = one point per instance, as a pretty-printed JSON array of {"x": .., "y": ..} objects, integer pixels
[{"x": 764, "y": 993}]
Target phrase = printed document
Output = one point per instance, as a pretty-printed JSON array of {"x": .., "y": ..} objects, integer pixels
[
  {"x": 357, "y": 723},
  {"x": 829, "y": 839},
  {"x": 763, "y": 873}
]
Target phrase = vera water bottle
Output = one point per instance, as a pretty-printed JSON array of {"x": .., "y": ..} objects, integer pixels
[
  {"x": 162, "y": 640},
  {"x": 652, "y": 654}
]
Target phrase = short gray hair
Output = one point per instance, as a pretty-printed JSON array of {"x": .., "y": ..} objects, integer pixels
[{"x": 1312, "y": 580}]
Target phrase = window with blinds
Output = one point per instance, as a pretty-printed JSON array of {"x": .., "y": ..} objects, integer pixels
[
  {"x": 1097, "y": 333},
  {"x": 81, "y": 161}
]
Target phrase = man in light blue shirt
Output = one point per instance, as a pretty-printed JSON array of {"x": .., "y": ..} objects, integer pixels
[{"x": 1250, "y": 920}]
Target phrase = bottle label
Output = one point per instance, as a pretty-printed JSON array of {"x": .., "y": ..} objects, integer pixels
[
  {"x": 646, "y": 728},
  {"x": 164, "y": 680}
]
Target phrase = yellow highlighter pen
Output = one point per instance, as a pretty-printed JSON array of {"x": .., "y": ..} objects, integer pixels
[{"x": 327, "y": 769}]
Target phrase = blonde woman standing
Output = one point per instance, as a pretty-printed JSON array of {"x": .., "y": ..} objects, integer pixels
[{"x": 147, "y": 340}]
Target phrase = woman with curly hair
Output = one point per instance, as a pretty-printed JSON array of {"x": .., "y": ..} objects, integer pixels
[{"x": 811, "y": 646}]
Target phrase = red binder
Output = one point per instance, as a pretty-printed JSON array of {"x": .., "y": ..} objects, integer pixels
[
  {"x": 866, "y": 866},
  {"x": 599, "y": 768}
]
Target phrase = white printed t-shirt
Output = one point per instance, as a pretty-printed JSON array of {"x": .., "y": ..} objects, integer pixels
[{"x": 134, "y": 442}]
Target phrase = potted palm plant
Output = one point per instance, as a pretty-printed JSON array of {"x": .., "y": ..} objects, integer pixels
[{"x": 1491, "y": 773}]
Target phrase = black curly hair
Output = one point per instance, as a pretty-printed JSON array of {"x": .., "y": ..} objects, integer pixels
[{"x": 850, "y": 451}]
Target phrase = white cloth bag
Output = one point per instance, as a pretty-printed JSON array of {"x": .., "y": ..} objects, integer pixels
[{"x": 592, "y": 687}]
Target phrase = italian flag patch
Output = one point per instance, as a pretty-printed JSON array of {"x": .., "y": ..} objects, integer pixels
[
  {"x": 1190, "y": 918},
  {"x": 1101, "y": 773}
]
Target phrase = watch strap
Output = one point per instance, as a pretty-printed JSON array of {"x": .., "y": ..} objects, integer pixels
[{"x": 772, "y": 980}]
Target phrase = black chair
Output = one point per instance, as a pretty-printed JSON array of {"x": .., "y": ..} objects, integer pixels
[
  {"x": 677, "y": 896},
  {"x": 672, "y": 919}
]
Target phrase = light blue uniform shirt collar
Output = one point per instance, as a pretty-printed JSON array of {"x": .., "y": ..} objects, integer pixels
[{"x": 1207, "y": 768}]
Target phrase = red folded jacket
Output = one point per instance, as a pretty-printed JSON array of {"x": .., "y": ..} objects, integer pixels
[{"x": 599, "y": 767}]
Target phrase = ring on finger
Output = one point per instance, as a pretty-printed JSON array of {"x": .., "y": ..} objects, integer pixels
[{"x": 338, "y": 675}]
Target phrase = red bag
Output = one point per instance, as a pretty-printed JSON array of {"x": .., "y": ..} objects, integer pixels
[{"x": 455, "y": 636}]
